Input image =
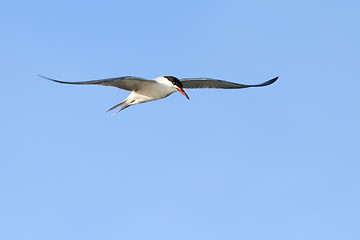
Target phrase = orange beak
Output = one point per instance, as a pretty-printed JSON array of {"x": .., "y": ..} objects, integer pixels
[{"x": 183, "y": 92}]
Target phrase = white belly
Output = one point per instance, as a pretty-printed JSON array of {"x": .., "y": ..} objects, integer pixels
[{"x": 150, "y": 93}]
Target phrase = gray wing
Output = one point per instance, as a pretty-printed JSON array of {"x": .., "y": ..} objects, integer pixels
[
  {"x": 215, "y": 83},
  {"x": 127, "y": 83}
]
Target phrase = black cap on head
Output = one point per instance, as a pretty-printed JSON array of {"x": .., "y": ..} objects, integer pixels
[{"x": 174, "y": 81}]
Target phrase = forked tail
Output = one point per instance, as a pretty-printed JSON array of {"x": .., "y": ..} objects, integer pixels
[{"x": 123, "y": 105}]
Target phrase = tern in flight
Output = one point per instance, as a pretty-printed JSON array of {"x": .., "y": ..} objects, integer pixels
[{"x": 143, "y": 90}]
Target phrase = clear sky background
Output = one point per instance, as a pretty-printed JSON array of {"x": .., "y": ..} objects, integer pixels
[{"x": 279, "y": 162}]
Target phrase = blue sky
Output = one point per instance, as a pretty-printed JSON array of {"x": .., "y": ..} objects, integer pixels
[{"x": 278, "y": 162}]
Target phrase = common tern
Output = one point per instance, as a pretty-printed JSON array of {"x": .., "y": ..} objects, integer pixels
[{"x": 144, "y": 90}]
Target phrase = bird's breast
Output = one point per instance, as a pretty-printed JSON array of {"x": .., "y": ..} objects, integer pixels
[{"x": 156, "y": 91}]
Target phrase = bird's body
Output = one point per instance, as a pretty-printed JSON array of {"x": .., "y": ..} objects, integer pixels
[
  {"x": 143, "y": 90},
  {"x": 155, "y": 90}
]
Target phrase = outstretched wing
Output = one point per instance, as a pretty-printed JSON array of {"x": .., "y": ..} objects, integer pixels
[
  {"x": 215, "y": 83},
  {"x": 127, "y": 83}
]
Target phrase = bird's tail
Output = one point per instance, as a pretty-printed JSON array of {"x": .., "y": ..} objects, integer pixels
[{"x": 124, "y": 104}]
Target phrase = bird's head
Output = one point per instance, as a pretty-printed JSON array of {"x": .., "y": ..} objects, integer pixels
[{"x": 175, "y": 83}]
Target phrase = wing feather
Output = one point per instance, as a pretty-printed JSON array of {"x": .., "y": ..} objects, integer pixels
[
  {"x": 128, "y": 83},
  {"x": 216, "y": 83}
]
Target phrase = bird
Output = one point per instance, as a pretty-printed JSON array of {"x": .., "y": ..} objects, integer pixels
[{"x": 144, "y": 90}]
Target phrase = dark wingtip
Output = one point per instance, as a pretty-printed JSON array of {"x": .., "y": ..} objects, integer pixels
[
  {"x": 271, "y": 81},
  {"x": 54, "y": 80},
  {"x": 48, "y": 78},
  {"x": 43, "y": 76}
]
